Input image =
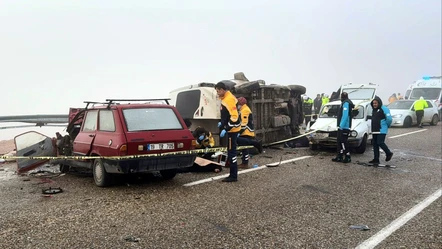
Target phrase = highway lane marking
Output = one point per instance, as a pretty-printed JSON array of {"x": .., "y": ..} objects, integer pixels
[
  {"x": 409, "y": 133},
  {"x": 243, "y": 171},
  {"x": 399, "y": 222}
]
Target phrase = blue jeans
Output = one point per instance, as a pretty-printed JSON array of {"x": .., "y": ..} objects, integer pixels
[
  {"x": 379, "y": 141},
  {"x": 231, "y": 154}
]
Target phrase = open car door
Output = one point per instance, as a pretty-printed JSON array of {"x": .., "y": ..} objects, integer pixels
[{"x": 33, "y": 144}]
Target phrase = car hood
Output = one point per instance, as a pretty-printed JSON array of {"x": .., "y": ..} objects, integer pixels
[{"x": 330, "y": 124}]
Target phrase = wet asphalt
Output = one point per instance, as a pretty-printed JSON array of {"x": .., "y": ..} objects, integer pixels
[{"x": 309, "y": 203}]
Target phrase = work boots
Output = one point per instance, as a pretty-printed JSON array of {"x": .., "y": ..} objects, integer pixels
[
  {"x": 347, "y": 159},
  {"x": 374, "y": 161},
  {"x": 338, "y": 158}
]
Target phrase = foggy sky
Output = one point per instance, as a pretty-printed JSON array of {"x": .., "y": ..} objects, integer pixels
[{"x": 56, "y": 54}]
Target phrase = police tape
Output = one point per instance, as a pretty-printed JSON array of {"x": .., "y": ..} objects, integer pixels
[{"x": 175, "y": 153}]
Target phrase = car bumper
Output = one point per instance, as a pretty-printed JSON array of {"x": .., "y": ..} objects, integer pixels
[
  {"x": 331, "y": 142},
  {"x": 397, "y": 122},
  {"x": 149, "y": 164}
]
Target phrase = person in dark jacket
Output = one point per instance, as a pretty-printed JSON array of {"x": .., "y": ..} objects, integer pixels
[
  {"x": 231, "y": 125},
  {"x": 344, "y": 126},
  {"x": 317, "y": 103},
  {"x": 380, "y": 121}
]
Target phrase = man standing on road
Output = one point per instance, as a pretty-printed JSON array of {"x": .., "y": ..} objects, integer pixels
[
  {"x": 344, "y": 126},
  {"x": 230, "y": 124},
  {"x": 317, "y": 103},
  {"x": 419, "y": 106},
  {"x": 247, "y": 133},
  {"x": 380, "y": 121}
]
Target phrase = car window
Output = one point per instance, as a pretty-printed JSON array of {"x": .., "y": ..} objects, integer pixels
[
  {"x": 90, "y": 122},
  {"x": 150, "y": 119},
  {"x": 106, "y": 120},
  {"x": 329, "y": 111},
  {"x": 430, "y": 105}
]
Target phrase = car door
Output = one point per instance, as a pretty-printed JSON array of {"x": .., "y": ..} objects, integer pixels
[
  {"x": 85, "y": 138},
  {"x": 428, "y": 112},
  {"x": 33, "y": 144}
]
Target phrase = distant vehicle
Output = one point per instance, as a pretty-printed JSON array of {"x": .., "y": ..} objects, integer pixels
[
  {"x": 429, "y": 87},
  {"x": 277, "y": 109},
  {"x": 325, "y": 127},
  {"x": 403, "y": 113},
  {"x": 115, "y": 129}
]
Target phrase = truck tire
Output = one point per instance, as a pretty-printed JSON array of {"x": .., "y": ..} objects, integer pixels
[
  {"x": 297, "y": 88},
  {"x": 247, "y": 87}
]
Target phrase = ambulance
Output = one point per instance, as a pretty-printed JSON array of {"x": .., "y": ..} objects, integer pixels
[{"x": 429, "y": 87}]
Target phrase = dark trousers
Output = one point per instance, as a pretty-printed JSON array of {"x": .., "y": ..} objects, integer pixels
[
  {"x": 244, "y": 141},
  {"x": 419, "y": 116},
  {"x": 379, "y": 141},
  {"x": 231, "y": 154},
  {"x": 308, "y": 117},
  {"x": 342, "y": 139}
]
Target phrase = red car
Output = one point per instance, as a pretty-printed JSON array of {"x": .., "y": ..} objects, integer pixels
[{"x": 116, "y": 129}]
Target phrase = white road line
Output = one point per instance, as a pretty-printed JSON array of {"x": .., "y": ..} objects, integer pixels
[
  {"x": 409, "y": 133},
  {"x": 399, "y": 222},
  {"x": 242, "y": 171}
]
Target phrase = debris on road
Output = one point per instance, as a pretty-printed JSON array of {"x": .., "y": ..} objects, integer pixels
[{"x": 360, "y": 227}]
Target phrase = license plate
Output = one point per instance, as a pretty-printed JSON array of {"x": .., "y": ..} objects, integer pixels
[{"x": 162, "y": 146}]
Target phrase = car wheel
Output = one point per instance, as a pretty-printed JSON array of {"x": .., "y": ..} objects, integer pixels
[
  {"x": 64, "y": 168},
  {"x": 407, "y": 122},
  {"x": 101, "y": 177},
  {"x": 363, "y": 146},
  {"x": 434, "y": 120},
  {"x": 168, "y": 173}
]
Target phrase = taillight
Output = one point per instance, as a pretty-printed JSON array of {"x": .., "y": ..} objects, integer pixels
[
  {"x": 193, "y": 145},
  {"x": 123, "y": 150}
]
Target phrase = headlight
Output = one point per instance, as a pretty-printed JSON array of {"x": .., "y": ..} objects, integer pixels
[
  {"x": 353, "y": 133},
  {"x": 397, "y": 116}
]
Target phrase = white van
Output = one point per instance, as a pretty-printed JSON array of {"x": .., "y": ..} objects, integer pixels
[{"x": 325, "y": 128}]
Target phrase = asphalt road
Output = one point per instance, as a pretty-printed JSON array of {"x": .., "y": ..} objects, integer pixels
[{"x": 305, "y": 203}]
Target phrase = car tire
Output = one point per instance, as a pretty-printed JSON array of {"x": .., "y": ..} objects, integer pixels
[
  {"x": 168, "y": 173},
  {"x": 434, "y": 120},
  {"x": 407, "y": 122},
  {"x": 101, "y": 177},
  {"x": 361, "y": 149},
  {"x": 64, "y": 168},
  {"x": 297, "y": 88}
]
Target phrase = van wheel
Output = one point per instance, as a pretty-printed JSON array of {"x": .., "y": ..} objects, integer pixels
[
  {"x": 101, "y": 177},
  {"x": 434, "y": 120},
  {"x": 407, "y": 122},
  {"x": 363, "y": 146},
  {"x": 168, "y": 173},
  {"x": 64, "y": 168},
  {"x": 297, "y": 88}
]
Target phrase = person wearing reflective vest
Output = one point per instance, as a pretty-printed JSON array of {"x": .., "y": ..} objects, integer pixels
[
  {"x": 419, "y": 106},
  {"x": 247, "y": 134},
  {"x": 307, "y": 106},
  {"x": 344, "y": 126},
  {"x": 231, "y": 125}
]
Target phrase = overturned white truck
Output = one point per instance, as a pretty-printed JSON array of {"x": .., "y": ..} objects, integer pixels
[{"x": 277, "y": 109}]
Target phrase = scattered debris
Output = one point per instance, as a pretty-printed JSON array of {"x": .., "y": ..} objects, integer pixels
[
  {"x": 131, "y": 239},
  {"x": 51, "y": 191},
  {"x": 360, "y": 227}
]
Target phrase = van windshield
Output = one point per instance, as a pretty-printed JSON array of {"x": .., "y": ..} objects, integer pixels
[
  {"x": 360, "y": 93},
  {"x": 151, "y": 119},
  {"x": 427, "y": 93}
]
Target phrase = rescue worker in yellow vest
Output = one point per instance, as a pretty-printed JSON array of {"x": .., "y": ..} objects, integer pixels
[
  {"x": 307, "y": 106},
  {"x": 204, "y": 139},
  {"x": 247, "y": 134},
  {"x": 230, "y": 124},
  {"x": 419, "y": 106},
  {"x": 325, "y": 99}
]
